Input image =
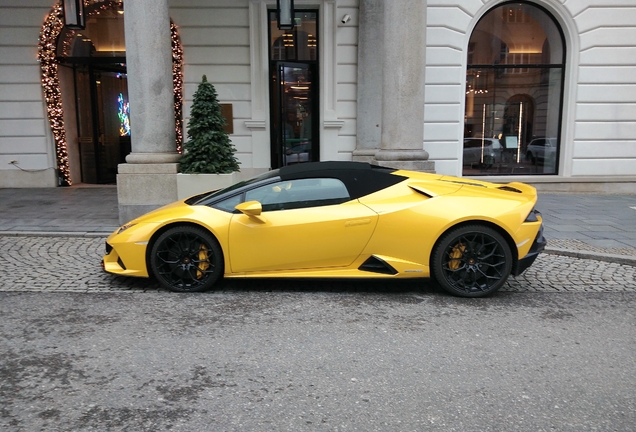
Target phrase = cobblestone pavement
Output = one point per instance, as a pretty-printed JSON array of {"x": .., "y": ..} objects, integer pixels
[{"x": 72, "y": 264}]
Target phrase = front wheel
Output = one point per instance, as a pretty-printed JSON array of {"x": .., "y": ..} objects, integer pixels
[
  {"x": 186, "y": 259},
  {"x": 472, "y": 261}
]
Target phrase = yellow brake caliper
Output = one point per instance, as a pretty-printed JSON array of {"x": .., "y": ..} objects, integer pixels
[
  {"x": 204, "y": 263},
  {"x": 455, "y": 256}
]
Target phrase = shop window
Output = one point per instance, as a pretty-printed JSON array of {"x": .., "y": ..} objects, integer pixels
[{"x": 514, "y": 92}]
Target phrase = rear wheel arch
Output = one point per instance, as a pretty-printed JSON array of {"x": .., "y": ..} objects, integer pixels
[
  {"x": 472, "y": 259},
  {"x": 511, "y": 243}
]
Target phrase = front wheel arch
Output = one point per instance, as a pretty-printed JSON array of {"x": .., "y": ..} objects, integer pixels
[{"x": 165, "y": 228}]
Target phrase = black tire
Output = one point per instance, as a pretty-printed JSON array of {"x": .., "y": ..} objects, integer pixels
[
  {"x": 186, "y": 259},
  {"x": 472, "y": 261},
  {"x": 531, "y": 158}
]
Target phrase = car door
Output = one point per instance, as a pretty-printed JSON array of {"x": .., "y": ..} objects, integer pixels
[{"x": 304, "y": 224}]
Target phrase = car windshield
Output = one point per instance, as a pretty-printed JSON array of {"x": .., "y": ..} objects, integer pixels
[{"x": 197, "y": 199}]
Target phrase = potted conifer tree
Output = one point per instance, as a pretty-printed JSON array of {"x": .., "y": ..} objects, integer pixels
[{"x": 208, "y": 160}]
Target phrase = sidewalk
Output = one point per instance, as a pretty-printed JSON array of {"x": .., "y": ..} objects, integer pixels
[
  {"x": 592, "y": 226},
  {"x": 581, "y": 225},
  {"x": 77, "y": 210}
]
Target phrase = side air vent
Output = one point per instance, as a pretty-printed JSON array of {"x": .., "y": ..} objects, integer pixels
[
  {"x": 422, "y": 191},
  {"x": 376, "y": 265},
  {"x": 121, "y": 263},
  {"x": 509, "y": 189}
]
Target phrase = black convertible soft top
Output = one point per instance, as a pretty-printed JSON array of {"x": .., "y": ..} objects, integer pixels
[{"x": 360, "y": 178}]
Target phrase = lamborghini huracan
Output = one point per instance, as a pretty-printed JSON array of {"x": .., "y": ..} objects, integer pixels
[{"x": 337, "y": 220}]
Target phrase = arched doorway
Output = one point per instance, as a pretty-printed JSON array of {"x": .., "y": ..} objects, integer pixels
[
  {"x": 84, "y": 82},
  {"x": 514, "y": 88}
]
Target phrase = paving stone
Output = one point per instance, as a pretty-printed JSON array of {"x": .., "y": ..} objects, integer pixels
[{"x": 56, "y": 264}]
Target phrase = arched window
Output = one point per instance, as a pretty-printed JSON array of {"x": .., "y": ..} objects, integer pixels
[{"x": 514, "y": 88}]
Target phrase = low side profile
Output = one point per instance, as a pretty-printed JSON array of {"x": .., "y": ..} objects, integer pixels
[{"x": 337, "y": 220}]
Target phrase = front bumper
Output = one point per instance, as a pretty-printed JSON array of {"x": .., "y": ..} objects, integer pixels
[
  {"x": 125, "y": 253},
  {"x": 537, "y": 247}
]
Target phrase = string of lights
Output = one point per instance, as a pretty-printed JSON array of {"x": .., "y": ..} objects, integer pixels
[
  {"x": 47, "y": 50},
  {"x": 177, "y": 79}
]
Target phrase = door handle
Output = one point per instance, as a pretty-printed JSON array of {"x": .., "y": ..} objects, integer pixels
[{"x": 357, "y": 222}]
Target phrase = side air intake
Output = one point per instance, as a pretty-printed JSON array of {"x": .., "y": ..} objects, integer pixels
[{"x": 376, "y": 265}]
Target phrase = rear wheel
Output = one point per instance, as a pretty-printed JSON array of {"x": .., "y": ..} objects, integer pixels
[
  {"x": 472, "y": 261},
  {"x": 186, "y": 259}
]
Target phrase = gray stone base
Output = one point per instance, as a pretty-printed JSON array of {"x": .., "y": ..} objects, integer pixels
[
  {"x": 15, "y": 178},
  {"x": 422, "y": 166},
  {"x": 405, "y": 159},
  {"x": 581, "y": 184},
  {"x": 364, "y": 155},
  {"x": 627, "y": 188},
  {"x": 145, "y": 187}
]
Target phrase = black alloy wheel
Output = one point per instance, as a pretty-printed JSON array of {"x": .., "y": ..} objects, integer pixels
[
  {"x": 186, "y": 259},
  {"x": 472, "y": 261}
]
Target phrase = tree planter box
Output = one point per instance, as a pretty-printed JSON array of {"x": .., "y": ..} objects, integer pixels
[{"x": 193, "y": 184}]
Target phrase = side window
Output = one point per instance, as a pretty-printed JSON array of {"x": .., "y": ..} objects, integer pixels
[
  {"x": 302, "y": 193},
  {"x": 229, "y": 204}
]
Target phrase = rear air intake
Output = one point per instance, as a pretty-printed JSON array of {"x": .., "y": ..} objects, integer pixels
[
  {"x": 509, "y": 189},
  {"x": 376, "y": 265}
]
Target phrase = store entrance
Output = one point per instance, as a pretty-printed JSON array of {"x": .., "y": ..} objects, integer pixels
[
  {"x": 103, "y": 120},
  {"x": 294, "y": 100},
  {"x": 294, "y": 90}
]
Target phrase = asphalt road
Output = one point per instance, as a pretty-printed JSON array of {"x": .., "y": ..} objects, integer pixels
[
  {"x": 84, "y": 350},
  {"x": 346, "y": 357}
]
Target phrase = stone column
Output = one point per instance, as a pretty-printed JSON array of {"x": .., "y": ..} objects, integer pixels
[
  {"x": 369, "y": 131},
  {"x": 148, "y": 179},
  {"x": 404, "y": 61}
]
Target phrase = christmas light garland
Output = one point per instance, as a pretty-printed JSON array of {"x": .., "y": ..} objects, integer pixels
[
  {"x": 177, "y": 80},
  {"x": 47, "y": 49}
]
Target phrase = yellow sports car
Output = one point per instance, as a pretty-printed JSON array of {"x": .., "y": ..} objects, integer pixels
[{"x": 337, "y": 219}]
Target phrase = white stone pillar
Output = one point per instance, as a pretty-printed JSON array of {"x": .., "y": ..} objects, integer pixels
[
  {"x": 148, "y": 179},
  {"x": 370, "y": 60},
  {"x": 404, "y": 61},
  {"x": 150, "y": 87}
]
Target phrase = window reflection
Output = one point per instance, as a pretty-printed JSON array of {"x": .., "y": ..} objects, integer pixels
[
  {"x": 514, "y": 83},
  {"x": 299, "y": 43}
]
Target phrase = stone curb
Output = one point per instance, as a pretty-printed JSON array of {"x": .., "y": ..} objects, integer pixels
[
  {"x": 598, "y": 256},
  {"x": 56, "y": 233}
]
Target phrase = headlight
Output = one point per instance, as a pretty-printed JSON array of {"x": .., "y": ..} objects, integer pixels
[{"x": 125, "y": 227}]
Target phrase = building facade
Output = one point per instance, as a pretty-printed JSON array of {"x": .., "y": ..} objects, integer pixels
[{"x": 542, "y": 91}]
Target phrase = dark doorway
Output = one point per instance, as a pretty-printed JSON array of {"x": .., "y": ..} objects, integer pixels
[
  {"x": 103, "y": 120},
  {"x": 294, "y": 91},
  {"x": 294, "y": 104},
  {"x": 97, "y": 58}
]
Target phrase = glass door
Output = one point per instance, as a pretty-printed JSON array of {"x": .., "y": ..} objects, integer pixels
[
  {"x": 293, "y": 114},
  {"x": 294, "y": 93}
]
